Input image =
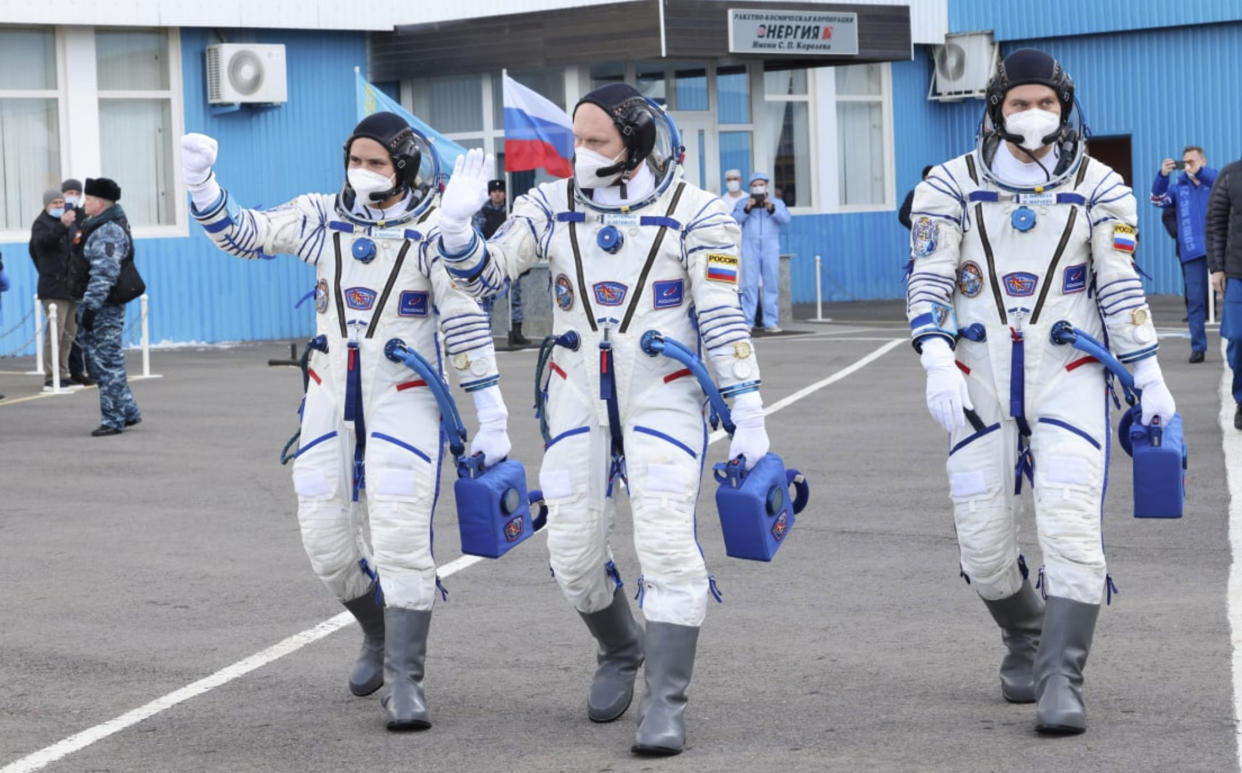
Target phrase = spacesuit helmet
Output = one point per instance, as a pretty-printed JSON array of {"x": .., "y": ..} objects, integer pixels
[
  {"x": 648, "y": 134},
  {"x": 1032, "y": 66},
  {"x": 415, "y": 167}
]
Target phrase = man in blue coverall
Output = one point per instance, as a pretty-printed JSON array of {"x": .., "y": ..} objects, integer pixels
[
  {"x": 761, "y": 216},
  {"x": 1189, "y": 195}
]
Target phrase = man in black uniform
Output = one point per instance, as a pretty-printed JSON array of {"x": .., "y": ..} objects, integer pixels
[{"x": 487, "y": 221}]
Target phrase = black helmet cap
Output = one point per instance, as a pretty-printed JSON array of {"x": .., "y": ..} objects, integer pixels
[
  {"x": 391, "y": 131},
  {"x": 632, "y": 114},
  {"x": 1029, "y": 65}
]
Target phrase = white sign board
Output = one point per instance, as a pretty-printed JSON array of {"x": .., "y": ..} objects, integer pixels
[{"x": 802, "y": 33}]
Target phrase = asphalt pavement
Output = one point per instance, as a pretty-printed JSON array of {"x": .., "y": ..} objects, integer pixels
[{"x": 137, "y": 565}]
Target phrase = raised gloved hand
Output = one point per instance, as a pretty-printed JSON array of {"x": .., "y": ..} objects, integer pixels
[
  {"x": 750, "y": 438},
  {"x": 947, "y": 395},
  {"x": 198, "y": 154},
  {"x": 464, "y": 194},
  {"x": 1156, "y": 399},
  {"x": 88, "y": 320},
  {"x": 492, "y": 439}
]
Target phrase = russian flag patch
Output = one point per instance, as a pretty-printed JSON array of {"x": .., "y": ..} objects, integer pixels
[
  {"x": 1125, "y": 238},
  {"x": 722, "y": 267}
]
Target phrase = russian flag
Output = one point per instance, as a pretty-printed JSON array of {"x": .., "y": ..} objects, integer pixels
[{"x": 538, "y": 134}]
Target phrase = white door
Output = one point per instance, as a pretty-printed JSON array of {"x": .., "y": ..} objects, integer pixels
[{"x": 702, "y": 161}]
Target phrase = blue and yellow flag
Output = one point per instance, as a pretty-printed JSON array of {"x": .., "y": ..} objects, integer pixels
[{"x": 372, "y": 100}]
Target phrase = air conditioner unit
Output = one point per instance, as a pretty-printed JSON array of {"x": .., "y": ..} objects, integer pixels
[
  {"x": 246, "y": 72},
  {"x": 963, "y": 66}
]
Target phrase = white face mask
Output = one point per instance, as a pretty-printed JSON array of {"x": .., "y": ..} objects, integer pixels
[
  {"x": 758, "y": 190},
  {"x": 587, "y": 162},
  {"x": 733, "y": 186},
  {"x": 71, "y": 201},
  {"x": 365, "y": 182},
  {"x": 56, "y": 211},
  {"x": 1032, "y": 125}
]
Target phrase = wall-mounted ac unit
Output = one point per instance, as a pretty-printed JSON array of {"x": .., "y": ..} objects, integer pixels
[
  {"x": 246, "y": 72},
  {"x": 963, "y": 66}
]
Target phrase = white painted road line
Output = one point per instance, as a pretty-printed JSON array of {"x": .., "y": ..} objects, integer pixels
[
  {"x": 1231, "y": 439},
  {"x": 818, "y": 385},
  {"x": 49, "y": 754}
]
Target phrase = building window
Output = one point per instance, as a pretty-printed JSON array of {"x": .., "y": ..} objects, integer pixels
[
  {"x": 135, "y": 121},
  {"x": 787, "y": 131},
  {"x": 453, "y": 104},
  {"x": 862, "y": 135},
  {"x": 29, "y": 123}
]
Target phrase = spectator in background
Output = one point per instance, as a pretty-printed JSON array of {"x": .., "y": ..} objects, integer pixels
[
  {"x": 487, "y": 221},
  {"x": 103, "y": 262},
  {"x": 733, "y": 188},
  {"x": 79, "y": 365},
  {"x": 903, "y": 214},
  {"x": 761, "y": 217},
  {"x": 1224, "y": 259},
  {"x": 49, "y": 249},
  {"x": 1168, "y": 218},
  {"x": 1189, "y": 195}
]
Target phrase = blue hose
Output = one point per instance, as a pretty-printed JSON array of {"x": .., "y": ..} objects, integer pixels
[
  {"x": 653, "y": 343},
  {"x": 397, "y": 351}
]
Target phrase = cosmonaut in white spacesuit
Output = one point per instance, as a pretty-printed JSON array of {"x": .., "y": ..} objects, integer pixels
[
  {"x": 1025, "y": 231},
  {"x": 368, "y": 427},
  {"x": 631, "y": 247}
]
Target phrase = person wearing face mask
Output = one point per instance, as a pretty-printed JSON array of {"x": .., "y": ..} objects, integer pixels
[
  {"x": 762, "y": 216},
  {"x": 1188, "y": 196},
  {"x": 79, "y": 359},
  {"x": 1022, "y": 233},
  {"x": 733, "y": 188},
  {"x": 632, "y": 247},
  {"x": 370, "y": 430},
  {"x": 49, "y": 249}
]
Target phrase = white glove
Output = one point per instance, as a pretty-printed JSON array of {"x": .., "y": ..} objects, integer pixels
[
  {"x": 750, "y": 439},
  {"x": 492, "y": 439},
  {"x": 1156, "y": 400},
  {"x": 947, "y": 395},
  {"x": 463, "y": 196},
  {"x": 198, "y": 154}
]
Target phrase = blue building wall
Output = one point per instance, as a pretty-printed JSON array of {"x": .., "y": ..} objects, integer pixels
[
  {"x": 1165, "y": 87},
  {"x": 1067, "y": 18},
  {"x": 267, "y": 156},
  {"x": 1163, "y": 75}
]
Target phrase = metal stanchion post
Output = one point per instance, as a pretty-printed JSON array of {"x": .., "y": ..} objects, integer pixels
[
  {"x": 53, "y": 330},
  {"x": 819, "y": 295},
  {"x": 145, "y": 342},
  {"x": 38, "y": 323}
]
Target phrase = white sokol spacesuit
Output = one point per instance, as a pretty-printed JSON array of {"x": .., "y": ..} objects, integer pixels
[
  {"x": 370, "y": 428},
  {"x": 1003, "y": 247},
  {"x": 664, "y": 258}
]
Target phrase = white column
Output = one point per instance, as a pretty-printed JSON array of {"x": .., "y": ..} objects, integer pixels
[{"x": 81, "y": 150}]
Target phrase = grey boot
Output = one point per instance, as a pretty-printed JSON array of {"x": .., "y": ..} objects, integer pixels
[
  {"x": 620, "y": 640},
  {"x": 1020, "y": 617},
  {"x": 1063, "y": 648},
  {"x": 670, "y": 662},
  {"x": 368, "y": 673},
  {"x": 405, "y": 649}
]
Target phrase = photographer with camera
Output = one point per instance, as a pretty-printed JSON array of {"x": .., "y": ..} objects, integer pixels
[
  {"x": 762, "y": 217},
  {"x": 1189, "y": 196}
]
